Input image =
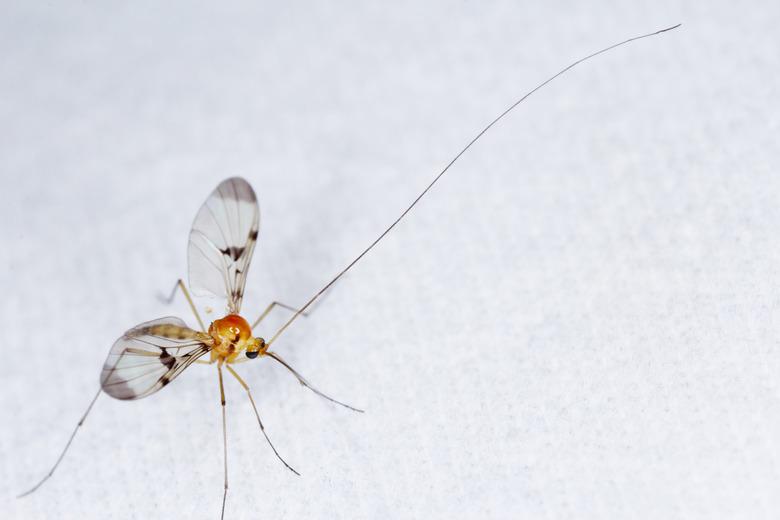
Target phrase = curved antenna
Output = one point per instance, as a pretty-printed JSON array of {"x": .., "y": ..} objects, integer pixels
[
  {"x": 446, "y": 168},
  {"x": 64, "y": 450}
]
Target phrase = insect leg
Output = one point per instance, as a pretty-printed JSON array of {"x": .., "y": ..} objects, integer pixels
[
  {"x": 270, "y": 308},
  {"x": 224, "y": 436},
  {"x": 262, "y": 428},
  {"x": 180, "y": 285},
  {"x": 305, "y": 383},
  {"x": 62, "y": 455}
]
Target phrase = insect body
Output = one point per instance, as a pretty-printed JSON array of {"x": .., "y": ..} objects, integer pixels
[
  {"x": 232, "y": 336},
  {"x": 149, "y": 356},
  {"x": 223, "y": 237}
]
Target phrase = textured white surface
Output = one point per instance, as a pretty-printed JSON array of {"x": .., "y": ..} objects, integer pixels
[{"x": 582, "y": 320}]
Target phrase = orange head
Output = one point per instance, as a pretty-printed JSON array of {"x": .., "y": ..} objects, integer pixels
[{"x": 232, "y": 335}]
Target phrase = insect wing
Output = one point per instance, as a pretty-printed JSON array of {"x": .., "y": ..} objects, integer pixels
[
  {"x": 149, "y": 356},
  {"x": 222, "y": 241}
]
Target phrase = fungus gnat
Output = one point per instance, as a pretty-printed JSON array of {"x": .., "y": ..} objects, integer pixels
[{"x": 224, "y": 234}]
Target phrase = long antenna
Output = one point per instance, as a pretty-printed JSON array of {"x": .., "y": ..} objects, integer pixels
[{"x": 446, "y": 168}]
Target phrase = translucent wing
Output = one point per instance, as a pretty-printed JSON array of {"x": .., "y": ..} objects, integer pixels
[
  {"x": 222, "y": 241},
  {"x": 149, "y": 356}
]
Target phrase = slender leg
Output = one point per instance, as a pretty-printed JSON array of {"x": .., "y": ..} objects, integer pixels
[
  {"x": 224, "y": 436},
  {"x": 180, "y": 285},
  {"x": 305, "y": 383},
  {"x": 62, "y": 455},
  {"x": 262, "y": 428},
  {"x": 270, "y": 308}
]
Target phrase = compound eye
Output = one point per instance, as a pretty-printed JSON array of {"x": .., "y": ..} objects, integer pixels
[{"x": 251, "y": 355}]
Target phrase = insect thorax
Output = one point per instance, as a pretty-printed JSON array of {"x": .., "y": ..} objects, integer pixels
[{"x": 232, "y": 335}]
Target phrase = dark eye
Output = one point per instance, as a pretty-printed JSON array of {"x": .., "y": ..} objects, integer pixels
[{"x": 251, "y": 355}]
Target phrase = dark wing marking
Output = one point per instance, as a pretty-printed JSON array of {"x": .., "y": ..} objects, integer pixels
[
  {"x": 222, "y": 241},
  {"x": 149, "y": 356}
]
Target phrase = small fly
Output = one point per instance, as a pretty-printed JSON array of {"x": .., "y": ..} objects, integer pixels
[{"x": 223, "y": 237}]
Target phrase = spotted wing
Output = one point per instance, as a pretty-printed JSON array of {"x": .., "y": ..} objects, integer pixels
[
  {"x": 222, "y": 241},
  {"x": 149, "y": 356}
]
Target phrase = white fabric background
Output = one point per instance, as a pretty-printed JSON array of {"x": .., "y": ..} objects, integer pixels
[{"x": 581, "y": 320}]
